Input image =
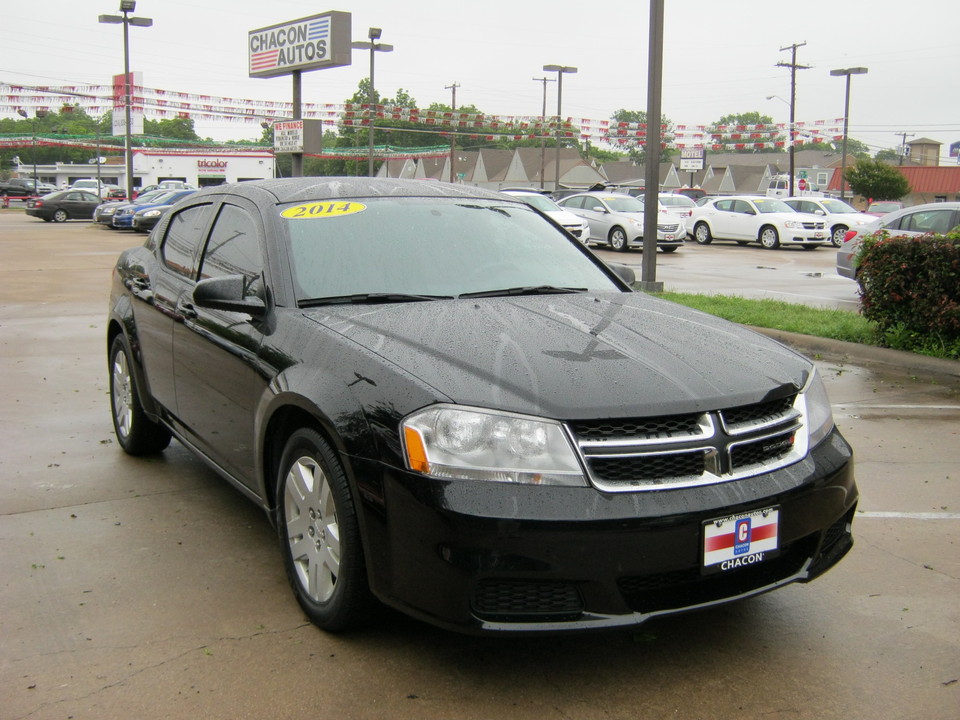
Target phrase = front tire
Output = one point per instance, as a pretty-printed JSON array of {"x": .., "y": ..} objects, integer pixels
[
  {"x": 701, "y": 233},
  {"x": 136, "y": 433},
  {"x": 769, "y": 237},
  {"x": 319, "y": 534},
  {"x": 837, "y": 236},
  {"x": 60, "y": 216},
  {"x": 618, "y": 239},
  {"x": 669, "y": 248}
]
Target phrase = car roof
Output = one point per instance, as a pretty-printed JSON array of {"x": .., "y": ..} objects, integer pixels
[{"x": 284, "y": 190}]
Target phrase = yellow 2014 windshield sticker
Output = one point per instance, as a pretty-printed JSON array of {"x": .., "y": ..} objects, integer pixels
[{"x": 324, "y": 209}]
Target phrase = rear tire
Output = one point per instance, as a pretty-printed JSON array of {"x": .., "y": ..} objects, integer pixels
[
  {"x": 319, "y": 534},
  {"x": 60, "y": 216},
  {"x": 136, "y": 433},
  {"x": 701, "y": 233}
]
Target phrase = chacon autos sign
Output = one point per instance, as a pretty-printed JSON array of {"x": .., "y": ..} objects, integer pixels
[{"x": 311, "y": 43}]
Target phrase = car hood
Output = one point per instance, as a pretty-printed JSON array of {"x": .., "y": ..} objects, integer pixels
[
  {"x": 564, "y": 217},
  {"x": 573, "y": 356}
]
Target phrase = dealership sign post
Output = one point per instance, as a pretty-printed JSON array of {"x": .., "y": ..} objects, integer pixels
[{"x": 310, "y": 43}]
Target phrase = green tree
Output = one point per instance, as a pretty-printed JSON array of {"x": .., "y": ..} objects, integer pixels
[
  {"x": 636, "y": 148},
  {"x": 180, "y": 128},
  {"x": 888, "y": 155},
  {"x": 877, "y": 180}
]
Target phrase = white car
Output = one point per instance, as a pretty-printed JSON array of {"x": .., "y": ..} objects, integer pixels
[
  {"x": 747, "y": 218},
  {"x": 97, "y": 187},
  {"x": 567, "y": 220},
  {"x": 679, "y": 206},
  {"x": 617, "y": 220},
  {"x": 838, "y": 215}
]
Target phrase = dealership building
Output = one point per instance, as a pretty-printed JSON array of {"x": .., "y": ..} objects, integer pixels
[{"x": 198, "y": 167}]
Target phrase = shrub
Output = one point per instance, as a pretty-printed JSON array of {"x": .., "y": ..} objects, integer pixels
[{"x": 910, "y": 287}]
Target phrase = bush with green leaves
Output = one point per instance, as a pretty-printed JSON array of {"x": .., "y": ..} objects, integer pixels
[{"x": 910, "y": 287}]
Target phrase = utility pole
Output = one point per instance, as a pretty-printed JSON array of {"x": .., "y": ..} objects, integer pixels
[
  {"x": 453, "y": 134},
  {"x": 903, "y": 144},
  {"x": 543, "y": 119},
  {"x": 793, "y": 97}
]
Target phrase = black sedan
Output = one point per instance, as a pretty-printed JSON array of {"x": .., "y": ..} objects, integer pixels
[
  {"x": 64, "y": 205},
  {"x": 447, "y": 404}
]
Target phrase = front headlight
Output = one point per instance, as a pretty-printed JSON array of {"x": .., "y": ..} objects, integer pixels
[
  {"x": 817, "y": 409},
  {"x": 794, "y": 224},
  {"x": 461, "y": 443},
  {"x": 150, "y": 213}
]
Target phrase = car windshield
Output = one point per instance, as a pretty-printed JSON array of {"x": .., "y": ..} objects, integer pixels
[
  {"x": 772, "y": 206},
  {"x": 623, "y": 203},
  {"x": 837, "y": 206},
  {"x": 540, "y": 202},
  {"x": 431, "y": 247}
]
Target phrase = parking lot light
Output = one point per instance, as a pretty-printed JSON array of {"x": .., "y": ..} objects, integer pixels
[
  {"x": 559, "y": 70},
  {"x": 847, "y": 72},
  {"x": 374, "y": 47},
  {"x": 127, "y": 7}
]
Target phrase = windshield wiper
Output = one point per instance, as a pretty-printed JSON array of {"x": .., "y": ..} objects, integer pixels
[
  {"x": 370, "y": 298},
  {"x": 525, "y": 290}
]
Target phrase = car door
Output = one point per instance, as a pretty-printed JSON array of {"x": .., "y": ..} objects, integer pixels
[
  {"x": 722, "y": 219},
  {"x": 744, "y": 221},
  {"x": 218, "y": 374},
  {"x": 575, "y": 204},
  {"x": 158, "y": 291}
]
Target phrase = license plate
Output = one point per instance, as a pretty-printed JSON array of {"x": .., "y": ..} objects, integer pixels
[
  {"x": 669, "y": 237},
  {"x": 818, "y": 235},
  {"x": 739, "y": 541}
]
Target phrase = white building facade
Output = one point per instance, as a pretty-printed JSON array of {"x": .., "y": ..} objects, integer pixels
[{"x": 197, "y": 167}]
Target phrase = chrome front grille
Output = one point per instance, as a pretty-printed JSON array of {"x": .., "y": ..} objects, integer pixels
[
  {"x": 635, "y": 454},
  {"x": 813, "y": 226}
]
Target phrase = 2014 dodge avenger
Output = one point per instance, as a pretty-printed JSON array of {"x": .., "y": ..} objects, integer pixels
[{"x": 448, "y": 405}]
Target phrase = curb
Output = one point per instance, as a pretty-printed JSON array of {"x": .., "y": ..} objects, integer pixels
[{"x": 867, "y": 355}]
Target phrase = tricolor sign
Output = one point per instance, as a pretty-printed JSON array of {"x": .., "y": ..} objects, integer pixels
[
  {"x": 319, "y": 41},
  {"x": 741, "y": 540}
]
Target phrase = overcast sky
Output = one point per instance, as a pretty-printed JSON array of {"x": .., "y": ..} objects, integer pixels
[{"x": 719, "y": 56}]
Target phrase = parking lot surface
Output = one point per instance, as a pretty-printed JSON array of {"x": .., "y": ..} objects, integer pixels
[{"x": 150, "y": 589}]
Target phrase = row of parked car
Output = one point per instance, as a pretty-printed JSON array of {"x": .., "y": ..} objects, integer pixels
[
  {"x": 81, "y": 203},
  {"x": 615, "y": 219}
]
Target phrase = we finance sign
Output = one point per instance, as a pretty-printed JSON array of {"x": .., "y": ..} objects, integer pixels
[{"x": 311, "y": 43}]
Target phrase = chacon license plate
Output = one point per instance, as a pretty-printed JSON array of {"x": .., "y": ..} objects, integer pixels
[
  {"x": 818, "y": 234},
  {"x": 741, "y": 540}
]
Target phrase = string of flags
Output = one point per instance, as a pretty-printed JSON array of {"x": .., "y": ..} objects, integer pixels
[{"x": 98, "y": 99}]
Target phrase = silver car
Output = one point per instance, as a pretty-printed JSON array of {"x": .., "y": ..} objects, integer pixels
[
  {"x": 617, "y": 220},
  {"x": 931, "y": 218}
]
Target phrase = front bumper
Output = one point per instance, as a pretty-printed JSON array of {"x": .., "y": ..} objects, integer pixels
[{"x": 492, "y": 558}]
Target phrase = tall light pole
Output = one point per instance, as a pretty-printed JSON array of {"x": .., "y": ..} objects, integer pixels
[
  {"x": 374, "y": 47},
  {"x": 126, "y": 7},
  {"x": 559, "y": 70},
  {"x": 846, "y": 113},
  {"x": 543, "y": 119}
]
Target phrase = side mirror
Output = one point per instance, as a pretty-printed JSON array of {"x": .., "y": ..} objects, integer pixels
[
  {"x": 624, "y": 272},
  {"x": 818, "y": 211},
  {"x": 227, "y": 293}
]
